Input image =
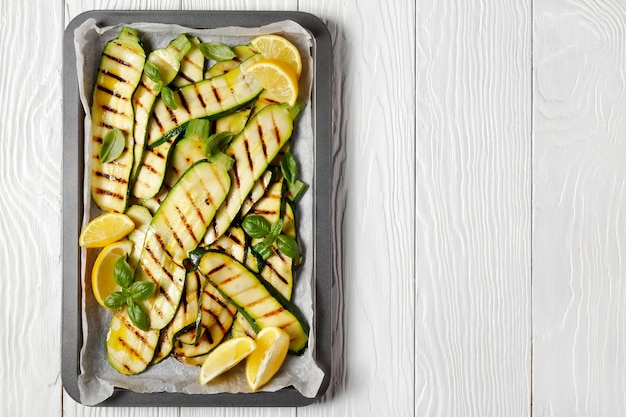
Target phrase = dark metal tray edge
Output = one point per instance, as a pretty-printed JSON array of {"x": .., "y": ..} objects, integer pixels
[{"x": 73, "y": 203}]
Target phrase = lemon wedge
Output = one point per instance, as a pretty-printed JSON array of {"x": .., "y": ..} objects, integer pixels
[
  {"x": 105, "y": 229},
  {"x": 225, "y": 356},
  {"x": 278, "y": 48},
  {"x": 262, "y": 364},
  {"x": 102, "y": 275},
  {"x": 278, "y": 80}
]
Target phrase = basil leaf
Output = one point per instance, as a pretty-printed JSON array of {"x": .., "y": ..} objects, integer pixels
[
  {"x": 168, "y": 98},
  {"x": 263, "y": 249},
  {"x": 113, "y": 145},
  {"x": 115, "y": 300},
  {"x": 141, "y": 290},
  {"x": 158, "y": 87},
  {"x": 217, "y": 141},
  {"x": 288, "y": 246},
  {"x": 152, "y": 72},
  {"x": 289, "y": 168},
  {"x": 122, "y": 273},
  {"x": 270, "y": 239},
  {"x": 256, "y": 226},
  {"x": 216, "y": 51},
  {"x": 277, "y": 228},
  {"x": 138, "y": 316}
]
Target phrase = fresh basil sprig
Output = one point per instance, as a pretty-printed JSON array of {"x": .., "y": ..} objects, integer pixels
[
  {"x": 289, "y": 168},
  {"x": 216, "y": 51},
  {"x": 113, "y": 145},
  {"x": 168, "y": 98},
  {"x": 129, "y": 295},
  {"x": 258, "y": 227}
]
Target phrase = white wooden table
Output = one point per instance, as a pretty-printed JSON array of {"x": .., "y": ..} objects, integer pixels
[{"x": 479, "y": 197}]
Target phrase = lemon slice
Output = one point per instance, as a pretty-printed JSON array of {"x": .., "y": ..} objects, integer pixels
[
  {"x": 105, "y": 229},
  {"x": 278, "y": 48},
  {"x": 225, "y": 356},
  {"x": 102, "y": 275},
  {"x": 278, "y": 80},
  {"x": 266, "y": 360}
]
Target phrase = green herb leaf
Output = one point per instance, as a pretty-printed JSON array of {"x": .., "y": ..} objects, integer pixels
[
  {"x": 218, "y": 141},
  {"x": 263, "y": 249},
  {"x": 141, "y": 290},
  {"x": 256, "y": 226},
  {"x": 115, "y": 300},
  {"x": 216, "y": 51},
  {"x": 157, "y": 87},
  {"x": 288, "y": 246},
  {"x": 122, "y": 273},
  {"x": 113, "y": 145},
  {"x": 168, "y": 98},
  {"x": 276, "y": 228},
  {"x": 289, "y": 168},
  {"x": 152, "y": 72},
  {"x": 296, "y": 190},
  {"x": 138, "y": 316}
]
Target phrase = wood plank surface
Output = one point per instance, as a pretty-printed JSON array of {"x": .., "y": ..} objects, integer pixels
[
  {"x": 473, "y": 242},
  {"x": 374, "y": 130},
  {"x": 579, "y": 171},
  {"x": 30, "y": 208}
]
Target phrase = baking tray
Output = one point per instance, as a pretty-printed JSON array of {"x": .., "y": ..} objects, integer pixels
[{"x": 73, "y": 183}]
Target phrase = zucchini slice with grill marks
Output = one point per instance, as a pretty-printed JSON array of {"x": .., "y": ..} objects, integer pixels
[
  {"x": 167, "y": 62},
  {"x": 206, "y": 99},
  {"x": 252, "y": 150},
  {"x": 119, "y": 73},
  {"x": 187, "y": 151},
  {"x": 189, "y": 207},
  {"x": 261, "y": 305},
  {"x": 191, "y": 67},
  {"x": 129, "y": 349},
  {"x": 176, "y": 228},
  {"x": 257, "y": 192},
  {"x": 211, "y": 98}
]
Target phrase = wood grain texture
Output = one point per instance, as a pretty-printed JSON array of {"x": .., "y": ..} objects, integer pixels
[
  {"x": 374, "y": 122},
  {"x": 30, "y": 209},
  {"x": 473, "y": 243},
  {"x": 579, "y": 313}
]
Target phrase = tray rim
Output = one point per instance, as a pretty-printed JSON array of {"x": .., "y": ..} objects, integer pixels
[{"x": 73, "y": 203}]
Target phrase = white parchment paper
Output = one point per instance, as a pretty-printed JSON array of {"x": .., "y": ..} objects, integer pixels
[{"x": 98, "y": 379}]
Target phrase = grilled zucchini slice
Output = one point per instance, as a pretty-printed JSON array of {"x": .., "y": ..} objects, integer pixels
[
  {"x": 119, "y": 73},
  {"x": 191, "y": 67},
  {"x": 252, "y": 150},
  {"x": 129, "y": 349},
  {"x": 176, "y": 228},
  {"x": 206, "y": 99},
  {"x": 167, "y": 62},
  {"x": 260, "y": 304},
  {"x": 211, "y": 98}
]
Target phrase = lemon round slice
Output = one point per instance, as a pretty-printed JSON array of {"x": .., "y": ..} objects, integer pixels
[
  {"x": 225, "y": 356},
  {"x": 105, "y": 229},
  {"x": 278, "y": 48},
  {"x": 278, "y": 80},
  {"x": 102, "y": 275},
  {"x": 266, "y": 360}
]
